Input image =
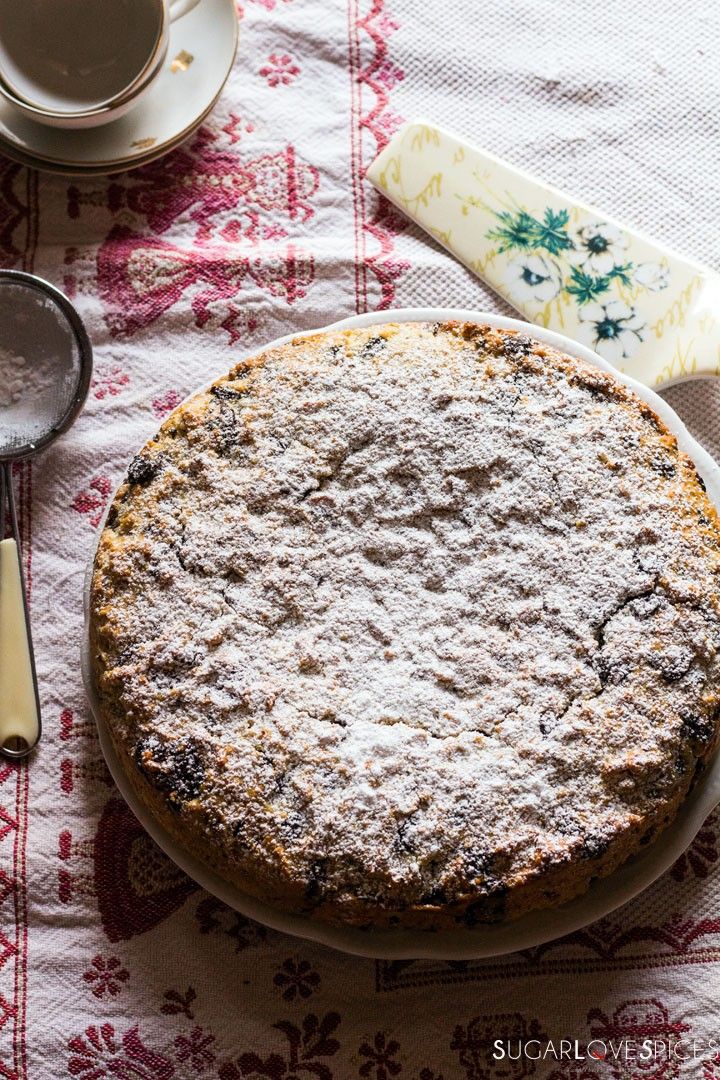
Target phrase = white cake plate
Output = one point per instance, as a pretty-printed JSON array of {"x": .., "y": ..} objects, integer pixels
[{"x": 604, "y": 895}]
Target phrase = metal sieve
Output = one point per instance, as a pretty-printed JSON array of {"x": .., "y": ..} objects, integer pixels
[{"x": 45, "y": 370}]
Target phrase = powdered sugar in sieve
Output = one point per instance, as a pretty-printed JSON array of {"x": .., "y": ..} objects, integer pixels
[{"x": 40, "y": 367}]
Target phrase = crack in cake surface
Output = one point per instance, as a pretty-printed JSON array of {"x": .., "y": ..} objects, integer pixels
[{"x": 401, "y": 577}]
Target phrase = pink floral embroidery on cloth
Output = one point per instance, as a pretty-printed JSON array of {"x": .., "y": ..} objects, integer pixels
[{"x": 280, "y": 69}]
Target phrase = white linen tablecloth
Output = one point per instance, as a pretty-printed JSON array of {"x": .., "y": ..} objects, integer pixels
[{"x": 112, "y": 963}]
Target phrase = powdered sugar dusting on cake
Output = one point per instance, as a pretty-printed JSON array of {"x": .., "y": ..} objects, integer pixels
[{"x": 426, "y": 608}]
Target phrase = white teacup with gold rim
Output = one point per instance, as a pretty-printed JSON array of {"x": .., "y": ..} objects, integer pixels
[{"x": 82, "y": 63}]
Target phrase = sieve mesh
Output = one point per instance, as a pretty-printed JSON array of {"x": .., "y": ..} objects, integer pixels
[{"x": 40, "y": 367}]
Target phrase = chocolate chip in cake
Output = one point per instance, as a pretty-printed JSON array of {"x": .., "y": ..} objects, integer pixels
[
  {"x": 186, "y": 773},
  {"x": 663, "y": 466},
  {"x": 225, "y": 422},
  {"x": 645, "y": 606},
  {"x": 611, "y": 671},
  {"x": 142, "y": 470},
  {"x": 373, "y": 346},
  {"x": 227, "y": 393},
  {"x": 489, "y": 909},
  {"x": 316, "y": 879},
  {"x": 480, "y": 866},
  {"x": 673, "y": 663},
  {"x": 437, "y": 896},
  {"x": 593, "y": 846},
  {"x": 516, "y": 346},
  {"x": 697, "y": 727},
  {"x": 648, "y": 560},
  {"x": 402, "y": 843},
  {"x": 177, "y": 769}
]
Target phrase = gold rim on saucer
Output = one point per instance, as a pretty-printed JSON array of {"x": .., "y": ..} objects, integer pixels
[{"x": 51, "y": 168}]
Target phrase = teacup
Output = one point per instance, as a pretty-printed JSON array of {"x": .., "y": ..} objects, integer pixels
[{"x": 82, "y": 63}]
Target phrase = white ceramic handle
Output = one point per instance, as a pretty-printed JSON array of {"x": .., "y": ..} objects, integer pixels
[
  {"x": 178, "y": 8},
  {"x": 19, "y": 718}
]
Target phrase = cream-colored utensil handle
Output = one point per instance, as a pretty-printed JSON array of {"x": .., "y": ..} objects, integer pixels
[
  {"x": 565, "y": 265},
  {"x": 19, "y": 714}
]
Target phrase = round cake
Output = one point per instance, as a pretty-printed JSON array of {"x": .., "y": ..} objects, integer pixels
[{"x": 414, "y": 625}]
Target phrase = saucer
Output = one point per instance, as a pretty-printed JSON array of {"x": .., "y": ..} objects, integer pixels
[
  {"x": 200, "y": 56},
  {"x": 79, "y": 171}
]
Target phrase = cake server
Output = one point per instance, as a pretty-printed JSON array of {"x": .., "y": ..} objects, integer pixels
[
  {"x": 650, "y": 312},
  {"x": 45, "y": 369}
]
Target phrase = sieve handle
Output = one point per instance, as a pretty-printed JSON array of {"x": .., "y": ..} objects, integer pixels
[{"x": 19, "y": 704}]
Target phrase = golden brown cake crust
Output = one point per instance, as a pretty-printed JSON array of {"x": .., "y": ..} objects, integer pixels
[{"x": 411, "y": 625}]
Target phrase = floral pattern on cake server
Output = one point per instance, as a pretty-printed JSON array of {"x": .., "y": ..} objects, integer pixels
[
  {"x": 589, "y": 266},
  {"x": 561, "y": 263}
]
